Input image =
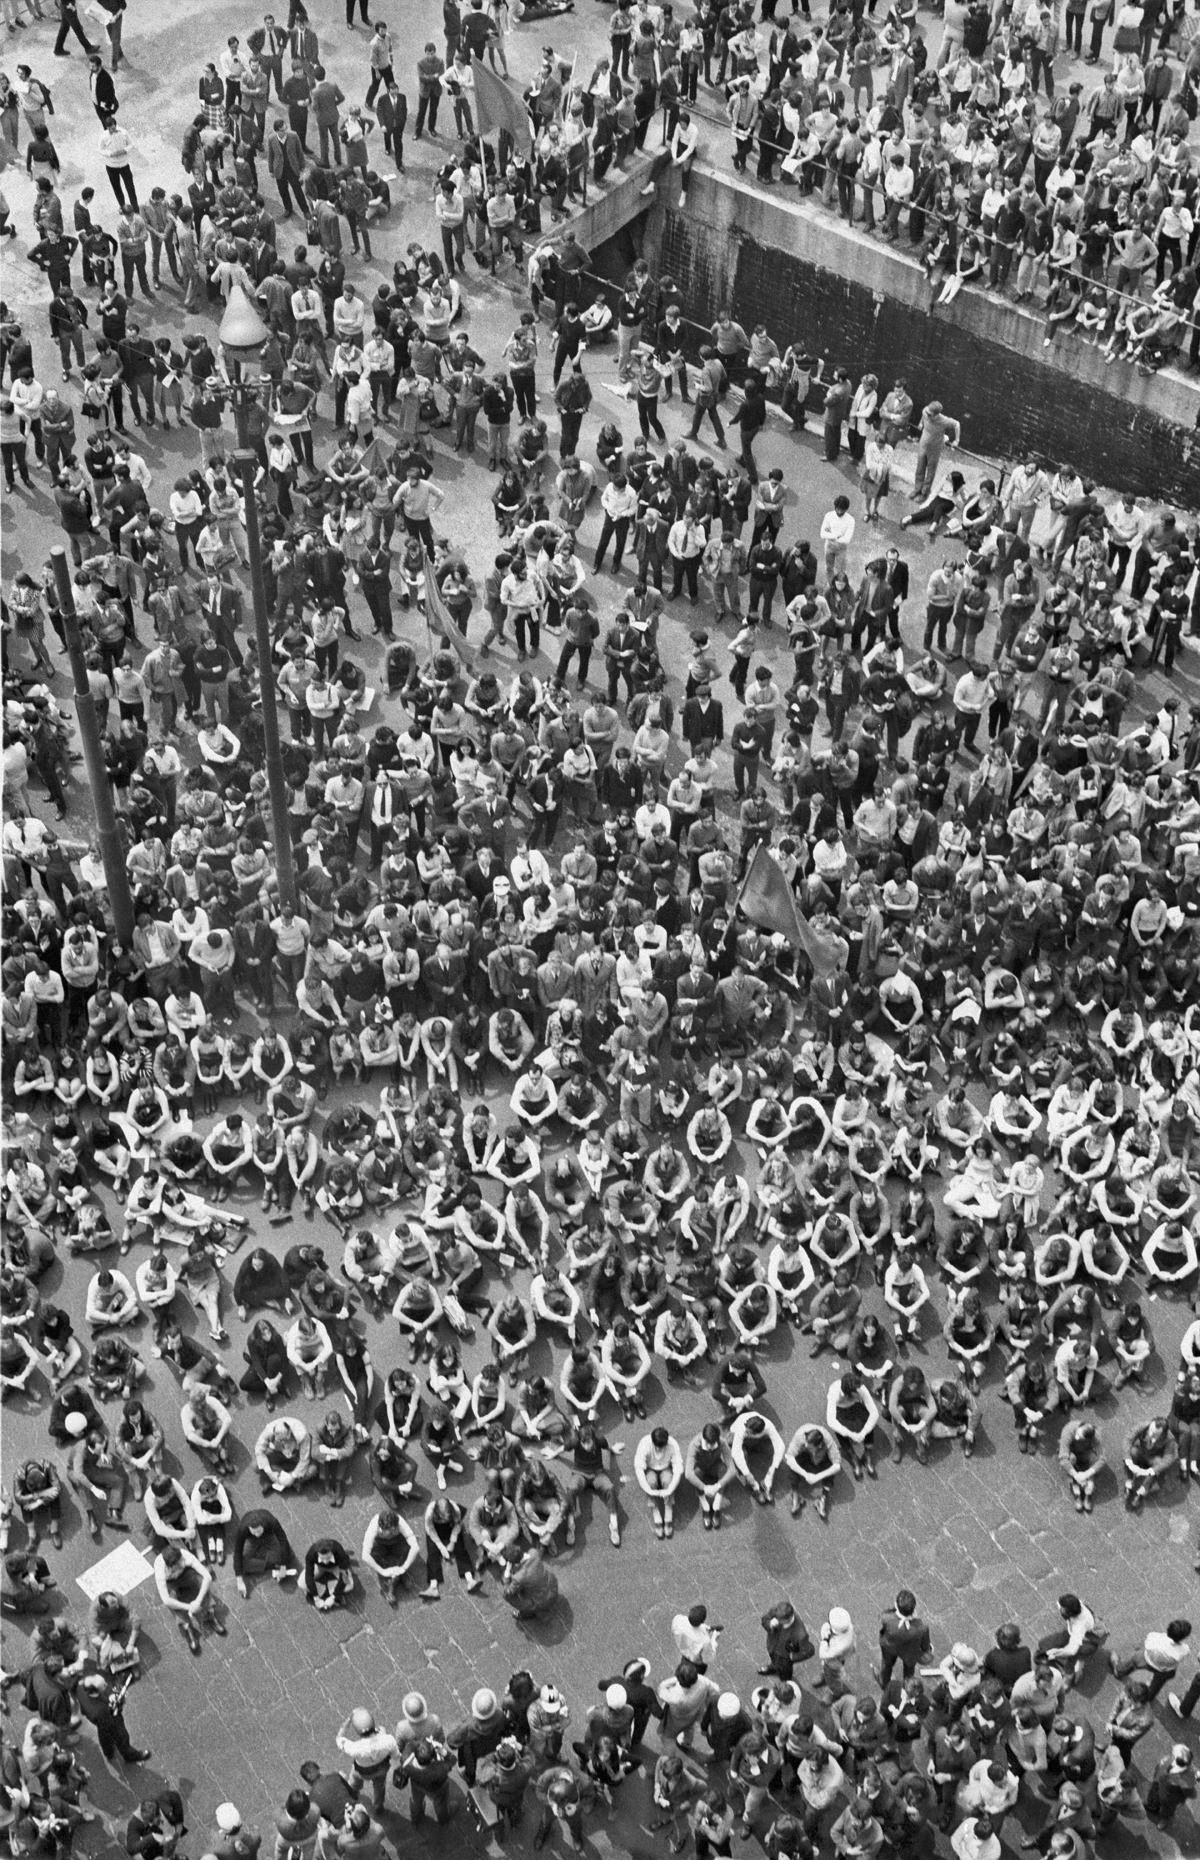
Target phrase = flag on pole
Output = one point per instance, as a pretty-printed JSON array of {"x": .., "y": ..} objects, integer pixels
[
  {"x": 769, "y": 901},
  {"x": 376, "y": 453},
  {"x": 497, "y": 107},
  {"x": 441, "y": 621},
  {"x": 568, "y": 86}
]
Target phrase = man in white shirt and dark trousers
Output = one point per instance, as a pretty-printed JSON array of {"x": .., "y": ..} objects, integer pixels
[
  {"x": 618, "y": 500},
  {"x": 695, "y": 1637}
]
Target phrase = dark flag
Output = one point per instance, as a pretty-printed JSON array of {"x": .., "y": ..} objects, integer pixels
[
  {"x": 497, "y": 107},
  {"x": 768, "y": 900}
]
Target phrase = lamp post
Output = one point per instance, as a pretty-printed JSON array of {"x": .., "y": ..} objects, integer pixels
[
  {"x": 108, "y": 830},
  {"x": 242, "y": 335}
]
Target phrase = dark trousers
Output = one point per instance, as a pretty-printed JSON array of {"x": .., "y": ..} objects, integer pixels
[
  {"x": 379, "y": 606},
  {"x": 685, "y": 568},
  {"x": 428, "y": 108},
  {"x": 435, "y": 1562},
  {"x": 290, "y": 191},
  {"x": 422, "y": 529},
  {"x": 569, "y": 438},
  {"x": 68, "y": 21},
  {"x": 112, "y": 1735},
  {"x": 121, "y": 182},
  {"x": 564, "y": 353},
  {"x": 762, "y": 589},
  {"x": 698, "y": 416},
  {"x": 937, "y": 620},
  {"x": 523, "y": 623},
  {"x": 453, "y": 246},
  {"x": 616, "y": 531},
  {"x": 133, "y": 264},
  {"x": 745, "y": 773},
  {"x": 13, "y": 451},
  {"x": 648, "y": 420},
  {"x": 574, "y": 649},
  {"x": 966, "y": 723},
  {"x": 381, "y": 75},
  {"x": 141, "y": 388},
  {"x": 616, "y": 673}
]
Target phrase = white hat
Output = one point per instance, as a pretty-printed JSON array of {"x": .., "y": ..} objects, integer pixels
[
  {"x": 728, "y": 1705},
  {"x": 414, "y": 1708},
  {"x": 616, "y": 1698},
  {"x": 362, "y": 1720},
  {"x": 552, "y": 1699},
  {"x": 228, "y": 1819},
  {"x": 839, "y": 1621}
]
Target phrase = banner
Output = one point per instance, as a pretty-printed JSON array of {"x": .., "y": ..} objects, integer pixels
[
  {"x": 441, "y": 621},
  {"x": 497, "y": 107},
  {"x": 768, "y": 900}
]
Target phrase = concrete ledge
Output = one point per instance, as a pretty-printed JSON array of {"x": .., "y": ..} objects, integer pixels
[
  {"x": 864, "y": 305},
  {"x": 791, "y": 224},
  {"x": 613, "y": 206}
]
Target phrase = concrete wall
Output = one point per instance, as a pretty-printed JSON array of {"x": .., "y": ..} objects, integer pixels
[{"x": 844, "y": 294}]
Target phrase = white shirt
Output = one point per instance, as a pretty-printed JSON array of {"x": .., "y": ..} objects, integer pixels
[
  {"x": 617, "y": 503},
  {"x": 694, "y": 1643},
  {"x": 837, "y": 528}
]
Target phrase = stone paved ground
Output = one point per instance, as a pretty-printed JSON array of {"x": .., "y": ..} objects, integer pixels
[{"x": 980, "y": 1541}]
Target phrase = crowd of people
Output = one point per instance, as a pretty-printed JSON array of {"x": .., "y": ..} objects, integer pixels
[
  {"x": 610, "y": 1039},
  {"x": 807, "y": 1761},
  {"x": 1082, "y": 201}
]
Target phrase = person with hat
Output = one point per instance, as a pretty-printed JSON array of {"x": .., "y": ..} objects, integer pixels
[
  {"x": 835, "y": 1643},
  {"x": 415, "y": 1722},
  {"x": 547, "y": 1719},
  {"x": 230, "y": 1837},
  {"x": 630, "y": 1694},
  {"x": 726, "y": 1721},
  {"x": 479, "y": 1735}
]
